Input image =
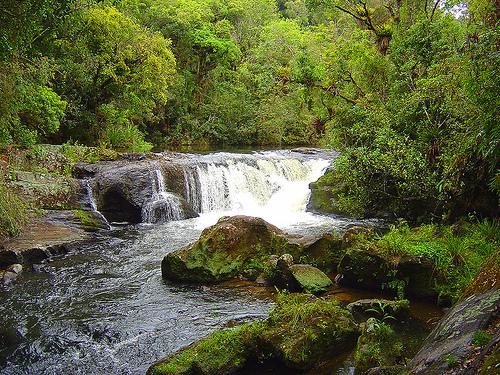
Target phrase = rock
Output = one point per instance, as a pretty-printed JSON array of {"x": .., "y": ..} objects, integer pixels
[
  {"x": 123, "y": 188},
  {"x": 42, "y": 238},
  {"x": 47, "y": 191},
  {"x": 420, "y": 276},
  {"x": 321, "y": 198},
  {"x": 284, "y": 261},
  {"x": 310, "y": 278},
  {"x": 233, "y": 246},
  {"x": 451, "y": 339},
  {"x": 378, "y": 345},
  {"x": 16, "y": 268},
  {"x": 324, "y": 252},
  {"x": 387, "y": 370},
  {"x": 8, "y": 277},
  {"x": 364, "y": 268},
  {"x": 295, "y": 341},
  {"x": 380, "y": 308},
  {"x": 487, "y": 278}
]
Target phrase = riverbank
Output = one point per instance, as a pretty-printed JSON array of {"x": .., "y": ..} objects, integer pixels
[{"x": 160, "y": 203}]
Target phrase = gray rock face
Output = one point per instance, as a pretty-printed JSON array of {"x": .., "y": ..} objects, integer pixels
[
  {"x": 453, "y": 336},
  {"x": 123, "y": 189}
]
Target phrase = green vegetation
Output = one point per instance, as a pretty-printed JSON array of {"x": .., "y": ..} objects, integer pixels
[
  {"x": 481, "y": 338},
  {"x": 300, "y": 331},
  {"x": 378, "y": 345},
  {"x": 12, "y": 212},
  {"x": 407, "y": 91},
  {"x": 456, "y": 252}
]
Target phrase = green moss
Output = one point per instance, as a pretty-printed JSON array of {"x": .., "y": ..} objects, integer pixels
[
  {"x": 300, "y": 331},
  {"x": 481, "y": 338},
  {"x": 87, "y": 219},
  {"x": 219, "y": 353},
  {"x": 310, "y": 278}
]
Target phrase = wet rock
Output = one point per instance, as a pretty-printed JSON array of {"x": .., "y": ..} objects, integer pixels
[
  {"x": 310, "y": 278},
  {"x": 322, "y": 197},
  {"x": 420, "y": 276},
  {"x": 42, "y": 238},
  {"x": 378, "y": 345},
  {"x": 123, "y": 188},
  {"x": 450, "y": 342},
  {"x": 294, "y": 341},
  {"x": 364, "y": 268},
  {"x": 233, "y": 246},
  {"x": 380, "y": 309},
  {"x": 324, "y": 252}
]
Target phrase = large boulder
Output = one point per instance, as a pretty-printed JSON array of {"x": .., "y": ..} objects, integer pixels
[
  {"x": 123, "y": 188},
  {"x": 420, "y": 276},
  {"x": 237, "y": 245},
  {"x": 450, "y": 343},
  {"x": 300, "y": 332}
]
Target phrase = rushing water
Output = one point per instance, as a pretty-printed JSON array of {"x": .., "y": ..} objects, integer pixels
[{"x": 104, "y": 308}]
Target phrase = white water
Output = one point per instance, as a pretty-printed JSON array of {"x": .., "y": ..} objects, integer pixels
[
  {"x": 163, "y": 206},
  {"x": 91, "y": 201},
  {"x": 271, "y": 185}
]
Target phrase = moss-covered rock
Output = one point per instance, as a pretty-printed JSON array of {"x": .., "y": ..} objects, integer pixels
[
  {"x": 299, "y": 333},
  {"x": 365, "y": 268},
  {"x": 450, "y": 342},
  {"x": 321, "y": 198},
  {"x": 235, "y": 245},
  {"x": 46, "y": 191},
  {"x": 324, "y": 252},
  {"x": 310, "y": 278},
  {"x": 378, "y": 345}
]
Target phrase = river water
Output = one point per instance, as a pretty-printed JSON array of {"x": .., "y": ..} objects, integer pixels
[{"x": 104, "y": 308}]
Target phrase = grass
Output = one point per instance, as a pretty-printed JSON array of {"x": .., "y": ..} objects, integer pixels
[
  {"x": 13, "y": 214},
  {"x": 457, "y": 251}
]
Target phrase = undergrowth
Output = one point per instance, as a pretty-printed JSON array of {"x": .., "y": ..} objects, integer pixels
[
  {"x": 457, "y": 251},
  {"x": 12, "y": 212}
]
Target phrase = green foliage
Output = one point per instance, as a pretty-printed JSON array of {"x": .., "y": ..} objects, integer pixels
[
  {"x": 12, "y": 212},
  {"x": 377, "y": 346},
  {"x": 456, "y": 251}
]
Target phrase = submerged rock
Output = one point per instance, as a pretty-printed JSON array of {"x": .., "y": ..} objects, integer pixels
[
  {"x": 300, "y": 332},
  {"x": 235, "y": 245}
]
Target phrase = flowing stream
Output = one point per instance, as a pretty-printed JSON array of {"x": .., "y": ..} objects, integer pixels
[{"x": 104, "y": 308}]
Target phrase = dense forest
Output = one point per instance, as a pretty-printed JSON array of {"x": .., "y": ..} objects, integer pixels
[{"x": 406, "y": 90}]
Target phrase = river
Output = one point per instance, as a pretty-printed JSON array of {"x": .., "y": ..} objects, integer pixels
[{"x": 104, "y": 308}]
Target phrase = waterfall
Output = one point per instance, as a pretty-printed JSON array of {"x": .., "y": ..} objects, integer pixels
[
  {"x": 253, "y": 183},
  {"x": 162, "y": 206},
  {"x": 91, "y": 202}
]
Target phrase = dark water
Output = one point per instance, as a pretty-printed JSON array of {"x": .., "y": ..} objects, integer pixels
[{"x": 104, "y": 308}]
